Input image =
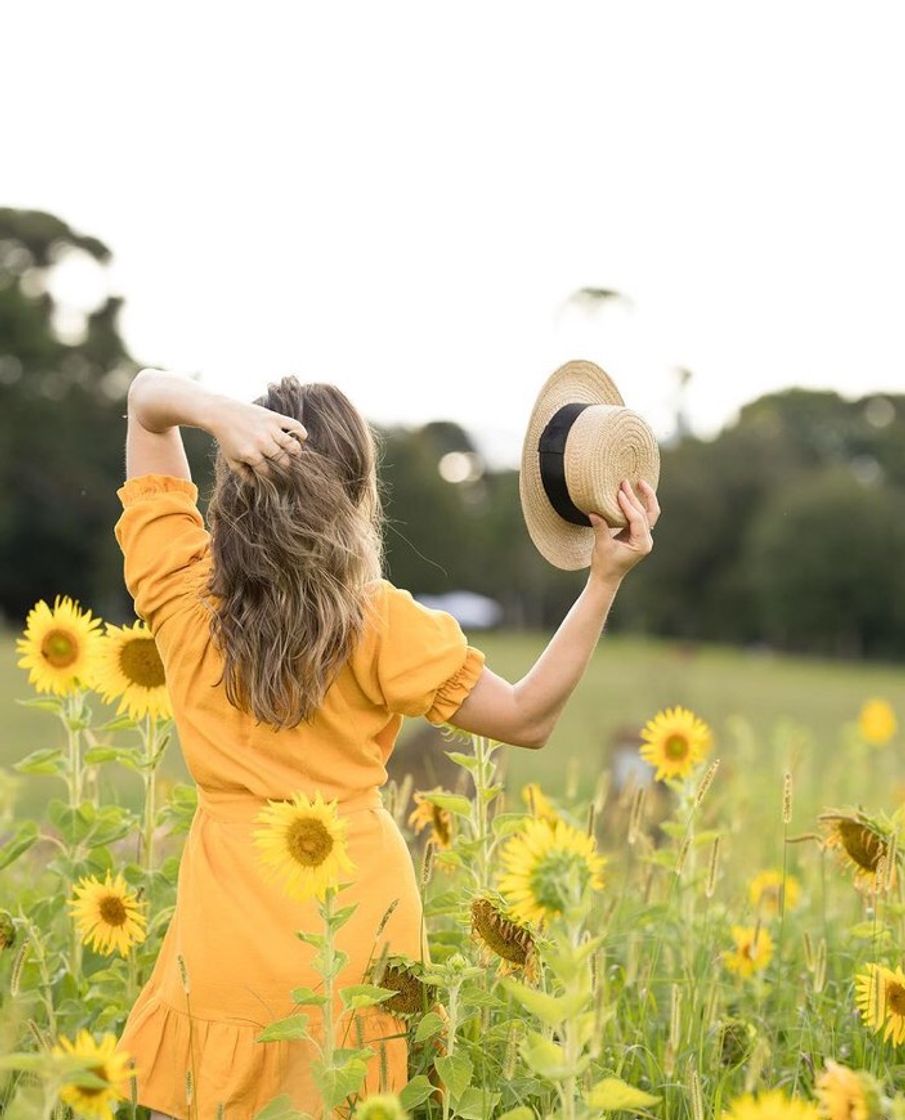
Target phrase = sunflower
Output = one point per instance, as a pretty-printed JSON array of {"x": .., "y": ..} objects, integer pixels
[
  {"x": 107, "y": 914},
  {"x": 537, "y": 802},
  {"x": 544, "y": 862},
  {"x": 59, "y": 646},
  {"x": 752, "y": 953},
  {"x": 107, "y": 1063},
  {"x": 880, "y": 995},
  {"x": 764, "y": 891},
  {"x": 413, "y": 996},
  {"x": 676, "y": 741},
  {"x": 877, "y": 722},
  {"x": 501, "y": 940},
  {"x": 861, "y": 844},
  {"x": 426, "y": 813},
  {"x": 303, "y": 845},
  {"x": 386, "y": 1106},
  {"x": 772, "y": 1105},
  {"x": 129, "y": 666},
  {"x": 845, "y": 1094}
]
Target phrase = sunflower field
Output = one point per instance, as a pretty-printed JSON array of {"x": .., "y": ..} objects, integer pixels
[{"x": 713, "y": 930}]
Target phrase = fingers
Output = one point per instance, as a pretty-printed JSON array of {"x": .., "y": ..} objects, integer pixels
[
  {"x": 651, "y": 504},
  {"x": 639, "y": 530}
]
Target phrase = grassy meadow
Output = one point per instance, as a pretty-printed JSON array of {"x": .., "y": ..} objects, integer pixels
[{"x": 654, "y": 983}]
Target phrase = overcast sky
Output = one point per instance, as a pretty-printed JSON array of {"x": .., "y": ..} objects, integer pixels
[{"x": 402, "y": 198}]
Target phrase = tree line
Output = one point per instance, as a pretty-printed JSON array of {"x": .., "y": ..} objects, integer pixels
[{"x": 787, "y": 529}]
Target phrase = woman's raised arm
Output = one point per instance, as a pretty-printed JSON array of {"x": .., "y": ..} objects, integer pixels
[{"x": 525, "y": 713}]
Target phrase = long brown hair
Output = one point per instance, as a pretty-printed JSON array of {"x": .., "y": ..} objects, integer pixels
[{"x": 293, "y": 555}]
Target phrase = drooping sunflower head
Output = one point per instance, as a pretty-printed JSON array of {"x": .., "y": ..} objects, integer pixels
[
  {"x": 766, "y": 890},
  {"x": 427, "y": 813},
  {"x": 752, "y": 953},
  {"x": 772, "y": 1105},
  {"x": 675, "y": 741},
  {"x": 385, "y": 1106},
  {"x": 537, "y": 803},
  {"x": 107, "y": 914},
  {"x": 501, "y": 941},
  {"x": 846, "y": 1094},
  {"x": 59, "y": 646},
  {"x": 413, "y": 997},
  {"x": 863, "y": 846},
  {"x": 880, "y": 996},
  {"x": 105, "y": 1062},
  {"x": 303, "y": 845},
  {"x": 129, "y": 666},
  {"x": 877, "y": 722},
  {"x": 548, "y": 866}
]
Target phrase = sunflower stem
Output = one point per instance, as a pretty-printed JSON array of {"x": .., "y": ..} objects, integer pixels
[
  {"x": 149, "y": 777},
  {"x": 327, "y": 914}
]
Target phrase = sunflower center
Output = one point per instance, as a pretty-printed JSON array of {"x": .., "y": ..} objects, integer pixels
[
  {"x": 895, "y": 999},
  {"x": 309, "y": 842},
  {"x": 676, "y": 748},
  {"x": 59, "y": 648},
  {"x": 141, "y": 664},
  {"x": 112, "y": 910},
  {"x": 864, "y": 847},
  {"x": 93, "y": 1090}
]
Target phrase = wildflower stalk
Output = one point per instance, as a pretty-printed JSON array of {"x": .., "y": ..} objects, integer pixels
[
  {"x": 327, "y": 913},
  {"x": 149, "y": 778}
]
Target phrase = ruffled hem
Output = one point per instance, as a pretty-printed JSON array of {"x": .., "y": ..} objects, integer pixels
[
  {"x": 231, "y": 1068},
  {"x": 450, "y": 696},
  {"x": 147, "y": 485}
]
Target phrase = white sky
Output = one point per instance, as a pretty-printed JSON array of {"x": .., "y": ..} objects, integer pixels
[{"x": 401, "y": 197}]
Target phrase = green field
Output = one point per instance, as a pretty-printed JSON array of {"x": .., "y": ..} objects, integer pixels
[{"x": 627, "y": 682}]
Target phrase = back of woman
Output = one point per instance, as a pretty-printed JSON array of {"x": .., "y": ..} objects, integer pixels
[{"x": 291, "y": 663}]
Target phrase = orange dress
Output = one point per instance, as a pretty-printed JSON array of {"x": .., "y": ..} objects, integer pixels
[{"x": 236, "y": 931}]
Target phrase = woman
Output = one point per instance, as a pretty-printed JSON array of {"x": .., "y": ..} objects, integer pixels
[{"x": 290, "y": 664}]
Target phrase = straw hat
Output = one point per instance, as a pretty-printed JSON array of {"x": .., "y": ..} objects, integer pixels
[{"x": 581, "y": 442}]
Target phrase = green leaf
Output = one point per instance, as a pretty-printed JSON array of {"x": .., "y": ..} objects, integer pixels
[
  {"x": 47, "y": 704},
  {"x": 101, "y": 754},
  {"x": 504, "y": 824},
  {"x": 337, "y": 1083},
  {"x": 307, "y": 995},
  {"x": 339, "y": 919},
  {"x": 477, "y": 1104},
  {"x": 47, "y": 760},
  {"x": 543, "y": 1056},
  {"x": 364, "y": 995},
  {"x": 19, "y": 843},
  {"x": 118, "y": 724},
  {"x": 292, "y": 1027},
  {"x": 454, "y": 802},
  {"x": 467, "y": 760},
  {"x": 315, "y": 939},
  {"x": 455, "y": 1070},
  {"x": 612, "y": 1094},
  {"x": 430, "y": 1024},
  {"x": 281, "y": 1108},
  {"x": 551, "y": 1010},
  {"x": 417, "y": 1091}
]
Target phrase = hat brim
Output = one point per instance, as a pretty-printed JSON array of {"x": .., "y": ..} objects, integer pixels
[{"x": 565, "y": 545}]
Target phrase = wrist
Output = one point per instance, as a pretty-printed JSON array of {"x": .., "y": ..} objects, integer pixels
[{"x": 604, "y": 583}]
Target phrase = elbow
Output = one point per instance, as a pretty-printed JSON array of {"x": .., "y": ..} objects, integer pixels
[{"x": 536, "y": 736}]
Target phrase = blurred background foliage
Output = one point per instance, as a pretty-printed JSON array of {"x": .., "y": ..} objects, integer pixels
[{"x": 787, "y": 529}]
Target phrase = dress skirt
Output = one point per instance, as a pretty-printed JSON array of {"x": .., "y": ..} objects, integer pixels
[{"x": 236, "y": 932}]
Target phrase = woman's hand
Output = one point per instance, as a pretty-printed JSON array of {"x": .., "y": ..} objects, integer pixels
[
  {"x": 250, "y": 435},
  {"x": 614, "y": 556}
]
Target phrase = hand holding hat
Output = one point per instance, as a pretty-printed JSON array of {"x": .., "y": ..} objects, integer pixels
[{"x": 581, "y": 445}]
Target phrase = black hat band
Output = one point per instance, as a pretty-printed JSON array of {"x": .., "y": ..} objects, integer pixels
[{"x": 551, "y": 448}]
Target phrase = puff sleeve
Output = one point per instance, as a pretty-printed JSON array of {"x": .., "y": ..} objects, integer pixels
[
  {"x": 162, "y": 537},
  {"x": 423, "y": 664}
]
